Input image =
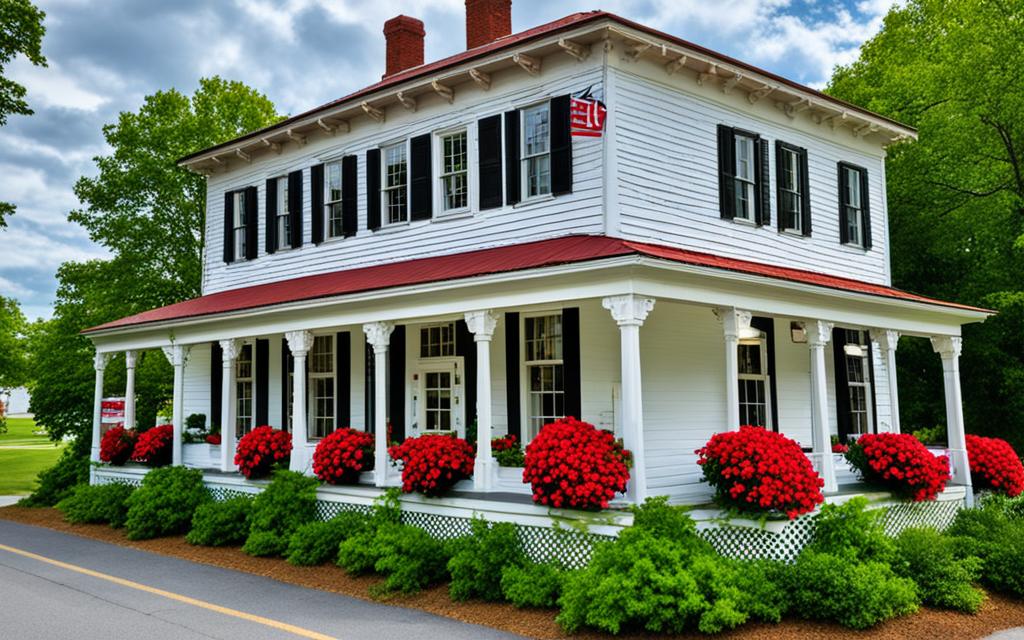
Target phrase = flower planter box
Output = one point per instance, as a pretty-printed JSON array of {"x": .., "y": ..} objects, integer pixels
[
  {"x": 510, "y": 479},
  {"x": 201, "y": 455}
]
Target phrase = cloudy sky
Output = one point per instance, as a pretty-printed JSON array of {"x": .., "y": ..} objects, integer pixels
[{"x": 106, "y": 55}]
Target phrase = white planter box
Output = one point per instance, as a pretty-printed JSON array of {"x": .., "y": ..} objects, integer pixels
[
  {"x": 201, "y": 455},
  {"x": 510, "y": 479}
]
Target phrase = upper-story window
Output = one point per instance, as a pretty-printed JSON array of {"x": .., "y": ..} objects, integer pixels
[
  {"x": 743, "y": 176},
  {"x": 238, "y": 225},
  {"x": 282, "y": 216},
  {"x": 454, "y": 171},
  {"x": 332, "y": 200},
  {"x": 396, "y": 183},
  {"x": 793, "y": 189},
  {"x": 854, "y": 214},
  {"x": 746, "y": 177},
  {"x": 536, "y": 145}
]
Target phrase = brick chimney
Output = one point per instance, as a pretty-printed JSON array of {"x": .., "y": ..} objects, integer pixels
[
  {"x": 404, "y": 36},
  {"x": 486, "y": 21}
]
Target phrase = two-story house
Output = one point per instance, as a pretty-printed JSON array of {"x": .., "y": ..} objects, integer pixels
[{"x": 588, "y": 218}]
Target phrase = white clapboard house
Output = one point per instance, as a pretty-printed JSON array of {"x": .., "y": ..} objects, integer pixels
[{"x": 588, "y": 218}]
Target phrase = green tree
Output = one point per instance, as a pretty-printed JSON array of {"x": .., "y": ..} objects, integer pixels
[
  {"x": 955, "y": 70},
  {"x": 21, "y": 33},
  {"x": 13, "y": 361},
  {"x": 149, "y": 213}
]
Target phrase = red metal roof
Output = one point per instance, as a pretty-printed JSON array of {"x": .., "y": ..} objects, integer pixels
[
  {"x": 562, "y": 24},
  {"x": 517, "y": 257}
]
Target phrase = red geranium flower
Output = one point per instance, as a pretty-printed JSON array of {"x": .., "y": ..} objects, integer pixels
[
  {"x": 995, "y": 465},
  {"x": 117, "y": 445},
  {"x": 260, "y": 449},
  {"x": 213, "y": 438},
  {"x": 343, "y": 455},
  {"x": 433, "y": 463},
  {"x": 155, "y": 446},
  {"x": 901, "y": 464}
]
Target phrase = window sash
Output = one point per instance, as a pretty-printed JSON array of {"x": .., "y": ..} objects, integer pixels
[
  {"x": 536, "y": 150},
  {"x": 454, "y": 171},
  {"x": 244, "y": 370},
  {"x": 792, "y": 199},
  {"x": 437, "y": 341},
  {"x": 322, "y": 387},
  {"x": 438, "y": 392},
  {"x": 284, "y": 231},
  {"x": 853, "y": 206},
  {"x": 754, "y": 384},
  {"x": 546, "y": 392},
  {"x": 239, "y": 225},
  {"x": 745, "y": 179},
  {"x": 332, "y": 200},
  {"x": 396, "y": 178}
]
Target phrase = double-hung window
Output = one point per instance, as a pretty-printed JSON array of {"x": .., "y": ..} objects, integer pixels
[
  {"x": 754, "y": 383},
  {"x": 454, "y": 171},
  {"x": 853, "y": 197},
  {"x": 858, "y": 381},
  {"x": 544, "y": 371},
  {"x": 396, "y": 183},
  {"x": 791, "y": 196},
  {"x": 321, "y": 382},
  {"x": 332, "y": 200},
  {"x": 238, "y": 224},
  {"x": 536, "y": 146},
  {"x": 282, "y": 216},
  {"x": 244, "y": 389},
  {"x": 745, "y": 189}
]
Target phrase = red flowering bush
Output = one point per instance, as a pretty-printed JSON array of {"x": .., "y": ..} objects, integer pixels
[
  {"x": 575, "y": 465},
  {"x": 901, "y": 464},
  {"x": 507, "y": 451},
  {"x": 754, "y": 469},
  {"x": 433, "y": 463},
  {"x": 504, "y": 443},
  {"x": 995, "y": 465},
  {"x": 117, "y": 445},
  {"x": 213, "y": 438},
  {"x": 343, "y": 455},
  {"x": 155, "y": 446},
  {"x": 839, "y": 447},
  {"x": 260, "y": 449}
]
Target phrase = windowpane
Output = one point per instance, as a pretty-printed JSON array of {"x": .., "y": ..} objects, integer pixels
[
  {"x": 438, "y": 400},
  {"x": 791, "y": 201},
  {"x": 239, "y": 225},
  {"x": 544, "y": 338},
  {"x": 537, "y": 150},
  {"x": 545, "y": 371},
  {"x": 745, "y": 182},
  {"x": 853, "y": 201},
  {"x": 332, "y": 200},
  {"x": 437, "y": 341},
  {"x": 395, "y": 178},
  {"x": 753, "y": 383},
  {"x": 454, "y": 171},
  {"x": 333, "y": 171},
  {"x": 858, "y": 381},
  {"x": 244, "y": 390}
]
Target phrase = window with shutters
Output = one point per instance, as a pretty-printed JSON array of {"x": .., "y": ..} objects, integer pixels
[
  {"x": 536, "y": 154},
  {"x": 858, "y": 381},
  {"x": 791, "y": 197},
  {"x": 332, "y": 200},
  {"x": 754, "y": 382},
  {"x": 454, "y": 171},
  {"x": 244, "y": 368},
  {"x": 282, "y": 216},
  {"x": 437, "y": 341},
  {"x": 745, "y": 192},
  {"x": 852, "y": 197},
  {"x": 395, "y": 194},
  {"x": 545, "y": 375},
  {"x": 238, "y": 224},
  {"x": 321, "y": 386}
]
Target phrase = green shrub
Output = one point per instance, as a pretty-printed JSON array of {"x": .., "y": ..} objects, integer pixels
[
  {"x": 943, "y": 580},
  {"x": 103, "y": 503},
  {"x": 479, "y": 559},
  {"x": 409, "y": 558},
  {"x": 853, "y": 531},
  {"x": 317, "y": 542},
  {"x": 859, "y": 595},
  {"x": 165, "y": 502},
  {"x": 662, "y": 520},
  {"x": 989, "y": 533},
  {"x": 533, "y": 585},
  {"x": 57, "y": 482},
  {"x": 218, "y": 524},
  {"x": 288, "y": 502}
]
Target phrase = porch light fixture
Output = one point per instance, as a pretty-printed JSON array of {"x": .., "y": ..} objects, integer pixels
[
  {"x": 853, "y": 350},
  {"x": 797, "y": 333}
]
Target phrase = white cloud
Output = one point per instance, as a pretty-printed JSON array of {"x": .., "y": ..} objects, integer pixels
[
  {"x": 10, "y": 288},
  {"x": 52, "y": 86}
]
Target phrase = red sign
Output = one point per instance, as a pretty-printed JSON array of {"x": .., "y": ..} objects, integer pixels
[{"x": 587, "y": 115}]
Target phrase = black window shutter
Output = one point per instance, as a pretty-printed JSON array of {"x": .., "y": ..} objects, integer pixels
[
  {"x": 420, "y": 183},
  {"x": 270, "y": 216},
  {"x": 865, "y": 207},
  {"x": 369, "y": 392},
  {"x": 571, "y": 362},
  {"x": 229, "y": 223},
  {"x": 842, "y": 385},
  {"x": 261, "y": 353},
  {"x": 216, "y": 383},
  {"x": 316, "y": 199},
  {"x": 295, "y": 208},
  {"x": 767, "y": 326},
  {"x": 561, "y": 146},
  {"x": 286, "y": 366},
  {"x": 779, "y": 163},
  {"x": 343, "y": 379},
  {"x": 805, "y": 193},
  {"x": 512, "y": 373},
  {"x": 489, "y": 161},
  {"x": 252, "y": 224},
  {"x": 844, "y": 227},
  {"x": 373, "y": 189},
  {"x": 726, "y": 172},
  {"x": 396, "y": 383},
  {"x": 764, "y": 196},
  {"x": 513, "y": 188},
  {"x": 349, "y": 196},
  {"x": 466, "y": 347}
]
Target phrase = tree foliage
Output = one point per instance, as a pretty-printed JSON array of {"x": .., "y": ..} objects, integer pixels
[
  {"x": 954, "y": 69},
  {"x": 13, "y": 362}
]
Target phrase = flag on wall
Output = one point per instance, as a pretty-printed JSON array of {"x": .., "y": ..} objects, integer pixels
[{"x": 588, "y": 113}]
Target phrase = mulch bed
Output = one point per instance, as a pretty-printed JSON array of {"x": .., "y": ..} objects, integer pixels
[{"x": 996, "y": 614}]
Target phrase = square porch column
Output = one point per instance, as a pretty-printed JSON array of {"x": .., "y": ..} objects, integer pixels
[
  {"x": 734, "y": 323},
  {"x": 819, "y": 334},
  {"x": 630, "y": 311},
  {"x": 481, "y": 324},
  {"x": 100, "y": 365},
  {"x": 378, "y": 334},
  {"x": 177, "y": 354},
  {"x": 129, "y": 389},
  {"x": 887, "y": 341},
  {"x": 299, "y": 343},
  {"x": 949, "y": 348},
  {"x": 228, "y": 403}
]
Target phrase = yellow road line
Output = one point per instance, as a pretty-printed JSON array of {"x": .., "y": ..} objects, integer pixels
[{"x": 282, "y": 626}]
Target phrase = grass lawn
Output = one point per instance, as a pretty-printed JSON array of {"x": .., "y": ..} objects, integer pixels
[{"x": 23, "y": 455}]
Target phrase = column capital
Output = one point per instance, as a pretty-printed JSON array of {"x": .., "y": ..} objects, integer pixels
[
  {"x": 229, "y": 350},
  {"x": 947, "y": 346},
  {"x": 100, "y": 360},
  {"x": 299, "y": 342},
  {"x": 481, "y": 324},
  {"x": 819, "y": 332},
  {"x": 629, "y": 309},
  {"x": 130, "y": 358},
  {"x": 887, "y": 339},
  {"x": 733, "y": 320},
  {"x": 378, "y": 334},
  {"x": 176, "y": 354}
]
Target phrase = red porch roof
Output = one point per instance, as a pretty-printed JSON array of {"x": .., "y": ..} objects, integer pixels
[{"x": 517, "y": 257}]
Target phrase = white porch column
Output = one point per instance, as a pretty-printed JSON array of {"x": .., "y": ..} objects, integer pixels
[
  {"x": 379, "y": 336},
  {"x": 630, "y": 311},
  {"x": 177, "y": 354},
  {"x": 887, "y": 342},
  {"x": 129, "y": 389},
  {"x": 228, "y": 403},
  {"x": 299, "y": 343},
  {"x": 818, "y": 336},
  {"x": 100, "y": 365},
  {"x": 948, "y": 348},
  {"x": 734, "y": 322},
  {"x": 481, "y": 324}
]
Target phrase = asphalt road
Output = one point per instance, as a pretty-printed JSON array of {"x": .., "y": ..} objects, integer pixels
[{"x": 55, "y": 586}]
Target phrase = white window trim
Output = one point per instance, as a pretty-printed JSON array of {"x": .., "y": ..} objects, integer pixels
[
  {"x": 326, "y": 213},
  {"x": 238, "y": 204},
  {"x": 765, "y": 377},
  {"x": 798, "y": 229},
  {"x": 437, "y": 161},
  {"x": 866, "y": 385},
  {"x": 524, "y": 183},
  {"x": 283, "y": 244},
  {"x": 859, "y": 171},
  {"x": 385, "y": 218},
  {"x": 454, "y": 364},
  {"x": 311, "y": 387},
  {"x": 524, "y": 370},
  {"x": 434, "y": 325},
  {"x": 752, "y": 219},
  {"x": 251, "y": 381}
]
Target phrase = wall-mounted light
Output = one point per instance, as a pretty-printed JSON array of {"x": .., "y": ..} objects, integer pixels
[
  {"x": 797, "y": 332},
  {"x": 853, "y": 350}
]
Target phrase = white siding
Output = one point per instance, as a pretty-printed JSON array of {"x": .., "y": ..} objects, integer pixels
[
  {"x": 793, "y": 384},
  {"x": 197, "y": 382}
]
